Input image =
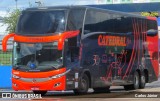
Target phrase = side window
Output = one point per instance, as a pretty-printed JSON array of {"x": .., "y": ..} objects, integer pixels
[
  {"x": 152, "y": 24},
  {"x": 123, "y": 24},
  {"x": 75, "y": 19},
  {"x": 98, "y": 21}
]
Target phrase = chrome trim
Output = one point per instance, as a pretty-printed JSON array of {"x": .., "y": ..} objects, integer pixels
[
  {"x": 84, "y": 19},
  {"x": 59, "y": 75},
  {"x": 43, "y": 79},
  {"x": 35, "y": 79},
  {"x": 93, "y": 33}
]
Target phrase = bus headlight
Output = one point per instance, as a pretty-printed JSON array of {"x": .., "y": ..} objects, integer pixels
[
  {"x": 15, "y": 76},
  {"x": 56, "y": 76},
  {"x": 60, "y": 75}
]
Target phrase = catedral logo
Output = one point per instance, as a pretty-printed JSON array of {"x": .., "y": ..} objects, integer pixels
[{"x": 104, "y": 40}]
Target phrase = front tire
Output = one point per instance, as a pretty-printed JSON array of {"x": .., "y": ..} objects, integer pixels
[{"x": 83, "y": 85}]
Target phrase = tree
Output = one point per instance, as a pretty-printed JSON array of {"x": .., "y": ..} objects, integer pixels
[{"x": 11, "y": 20}]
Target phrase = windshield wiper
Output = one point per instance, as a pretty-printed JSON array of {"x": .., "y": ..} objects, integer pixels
[
  {"x": 17, "y": 67},
  {"x": 56, "y": 67}
]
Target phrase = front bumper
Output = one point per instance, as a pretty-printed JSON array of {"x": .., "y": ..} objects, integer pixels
[
  {"x": 54, "y": 84},
  {"x": 39, "y": 81}
]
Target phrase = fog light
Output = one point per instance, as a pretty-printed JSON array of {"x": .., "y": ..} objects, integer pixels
[
  {"x": 57, "y": 84},
  {"x": 14, "y": 84}
]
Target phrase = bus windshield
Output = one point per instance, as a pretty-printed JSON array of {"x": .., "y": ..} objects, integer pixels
[
  {"x": 37, "y": 56},
  {"x": 41, "y": 22}
]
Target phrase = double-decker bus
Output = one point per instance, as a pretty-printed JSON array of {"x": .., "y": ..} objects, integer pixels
[{"x": 79, "y": 47}]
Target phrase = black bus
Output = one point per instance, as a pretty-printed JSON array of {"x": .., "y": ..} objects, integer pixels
[{"x": 80, "y": 47}]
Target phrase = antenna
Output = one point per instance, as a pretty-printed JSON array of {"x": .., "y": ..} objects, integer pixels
[{"x": 39, "y": 3}]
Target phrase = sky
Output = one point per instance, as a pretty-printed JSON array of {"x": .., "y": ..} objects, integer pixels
[{"x": 11, "y": 4}]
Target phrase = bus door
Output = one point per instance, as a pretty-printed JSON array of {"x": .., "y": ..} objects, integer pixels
[{"x": 71, "y": 62}]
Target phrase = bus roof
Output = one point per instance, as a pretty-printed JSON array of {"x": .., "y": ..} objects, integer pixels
[{"x": 82, "y": 7}]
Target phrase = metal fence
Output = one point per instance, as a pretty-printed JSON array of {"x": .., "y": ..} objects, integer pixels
[{"x": 6, "y": 57}]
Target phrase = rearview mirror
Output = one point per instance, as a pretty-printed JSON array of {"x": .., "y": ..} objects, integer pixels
[{"x": 152, "y": 32}]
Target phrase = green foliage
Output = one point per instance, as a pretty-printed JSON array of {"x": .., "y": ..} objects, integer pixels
[{"x": 11, "y": 20}]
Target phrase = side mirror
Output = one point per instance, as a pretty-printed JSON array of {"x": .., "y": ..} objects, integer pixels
[
  {"x": 5, "y": 40},
  {"x": 66, "y": 35},
  {"x": 152, "y": 32}
]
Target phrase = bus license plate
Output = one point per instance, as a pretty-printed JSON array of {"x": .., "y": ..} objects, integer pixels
[{"x": 34, "y": 88}]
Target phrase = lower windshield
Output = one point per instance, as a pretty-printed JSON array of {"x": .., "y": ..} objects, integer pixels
[{"x": 36, "y": 57}]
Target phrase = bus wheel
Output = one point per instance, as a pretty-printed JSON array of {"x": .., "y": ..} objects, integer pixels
[
  {"x": 136, "y": 81},
  {"x": 83, "y": 85},
  {"x": 135, "y": 84},
  {"x": 142, "y": 81},
  {"x": 102, "y": 90},
  {"x": 42, "y": 92}
]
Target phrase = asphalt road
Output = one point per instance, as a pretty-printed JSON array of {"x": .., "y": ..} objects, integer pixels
[{"x": 151, "y": 92}]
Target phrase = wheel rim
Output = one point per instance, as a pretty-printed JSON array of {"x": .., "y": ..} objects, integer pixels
[
  {"x": 136, "y": 84},
  {"x": 83, "y": 84},
  {"x": 136, "y": 80},
  {"x": 143, "y": 79}
]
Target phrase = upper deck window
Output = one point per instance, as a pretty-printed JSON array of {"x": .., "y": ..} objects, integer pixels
[{"x": 41, "y": 22}]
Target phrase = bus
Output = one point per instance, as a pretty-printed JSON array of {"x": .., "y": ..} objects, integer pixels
[{"x": 80, "y": 47}]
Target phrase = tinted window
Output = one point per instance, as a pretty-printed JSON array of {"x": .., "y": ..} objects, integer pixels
[
  {"x": 41, "y": 22},
  {"x": 75, "y": 19},
  {"x": 152, "y": 24},
  {"x": 98, "y": 21},
  {"x": 123, "y": 24}
]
